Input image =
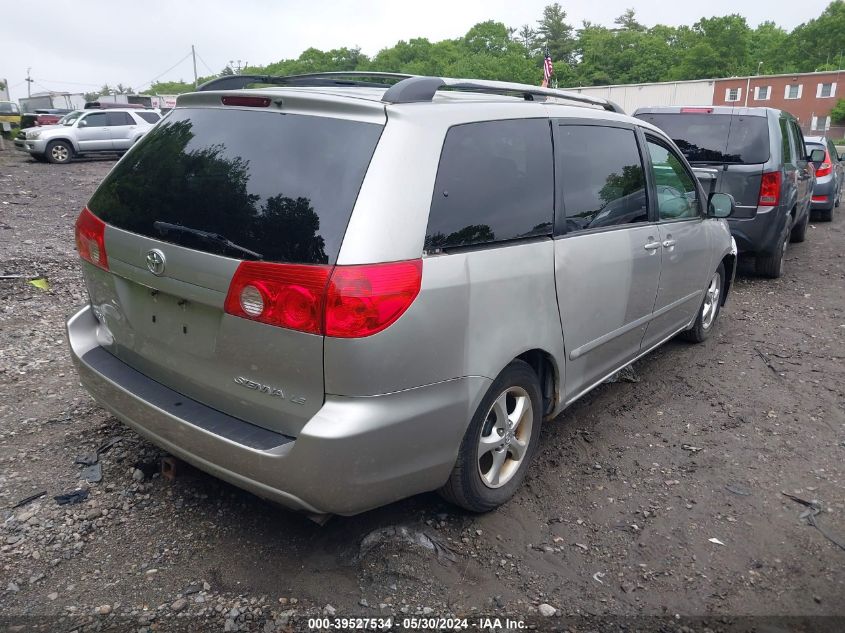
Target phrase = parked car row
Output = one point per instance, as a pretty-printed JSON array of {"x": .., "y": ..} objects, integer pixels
[
  {"x": 761, "y": 158},
  {"x": 87, "y": 132}
]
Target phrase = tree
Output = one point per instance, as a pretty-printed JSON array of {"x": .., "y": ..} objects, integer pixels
[
  {"x": 528, "y": 37},
  {"x": 628, "y": 21},
  {"x": 554, "y": 32},
  {"x": 819, "y": 41},
  {"x": 837, "y": 115}
]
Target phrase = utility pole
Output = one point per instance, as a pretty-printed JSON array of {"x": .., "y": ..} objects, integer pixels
[
  {"x": 194, "y": 55},
  {"x": 29, "y": 81}
]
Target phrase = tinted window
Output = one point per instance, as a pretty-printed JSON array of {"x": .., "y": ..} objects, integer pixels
[
  {"x": 7, "y": 107},
  {"x": 800, "y": 150},
  {"x": 677, "y": 196},
  {"x": 120, "y": 118},
  {"x": 716, "y": 138},
  {"x": 149, "y": 117},
  {"x": 602, "y": 181},
  {"x": 831, "y": 149},
  {"x": 96, "y": 120},
  {"x": 786, "y": 143},
  {"x": 278, "y": 187},
  {"x": 494, "y": 183}
]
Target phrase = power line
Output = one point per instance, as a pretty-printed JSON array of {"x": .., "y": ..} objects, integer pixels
[
  {"x": 206, "y": 65},
  {"x": 151, "y": 81}
]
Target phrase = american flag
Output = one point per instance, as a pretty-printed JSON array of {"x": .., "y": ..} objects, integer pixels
[{"x": 548, "y": 67}]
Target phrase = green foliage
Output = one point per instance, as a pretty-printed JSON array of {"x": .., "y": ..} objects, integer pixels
[
  {"x": 837, "y": 115},
  {"x": 626, "y": 52}
]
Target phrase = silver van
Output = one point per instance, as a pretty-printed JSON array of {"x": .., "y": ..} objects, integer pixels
[{"x": 341, "y": 291}]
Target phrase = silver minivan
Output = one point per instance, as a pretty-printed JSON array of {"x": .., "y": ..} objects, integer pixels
[{"x": 340, "y": 291}]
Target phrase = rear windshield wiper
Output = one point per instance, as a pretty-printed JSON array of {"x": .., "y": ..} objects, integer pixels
[{"x": 165, "y": 227}]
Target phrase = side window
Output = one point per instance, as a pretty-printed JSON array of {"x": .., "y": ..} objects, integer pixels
[
  {"x": 120, "y": 118},
  {"x": 800, "y": 149},
  {"x": 149, "y": 117},
  {"x": 494, "y": 183},
  {"x": 98, "y": 119},
  {"x": 831, "y": 149},
  {"x": 677, "y": 195},
  {"x": 602, "y": 178},
  {"x": 787, "y": 144}
]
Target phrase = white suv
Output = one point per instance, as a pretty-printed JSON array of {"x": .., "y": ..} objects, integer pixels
[{"x": 89, "y": 132}]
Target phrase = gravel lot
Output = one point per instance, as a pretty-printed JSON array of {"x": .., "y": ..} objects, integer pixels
[{"x": 618, "y": 515}]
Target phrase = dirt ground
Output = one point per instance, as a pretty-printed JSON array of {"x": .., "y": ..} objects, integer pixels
[{"x": 658, "y": 497}]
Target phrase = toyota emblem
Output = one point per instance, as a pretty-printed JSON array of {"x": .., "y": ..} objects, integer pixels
[{"x": 155, "y": 262}]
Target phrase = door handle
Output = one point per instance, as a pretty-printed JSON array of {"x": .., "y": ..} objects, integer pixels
[
  {"x": 668, "y": 243},
  {"x": 652, "y": 246}
]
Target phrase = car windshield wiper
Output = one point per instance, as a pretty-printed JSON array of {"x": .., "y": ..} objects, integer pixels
[{"x": 165, "y": 227}]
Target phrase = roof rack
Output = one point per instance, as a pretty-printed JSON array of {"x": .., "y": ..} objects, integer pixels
[
  {"x": 345, "y": 78},
  {"x": 404, "y": 88},
  {"x": 415, "y": 89}
]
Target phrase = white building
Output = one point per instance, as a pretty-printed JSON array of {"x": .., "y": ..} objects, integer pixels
[{"x": 633, "y": 96}]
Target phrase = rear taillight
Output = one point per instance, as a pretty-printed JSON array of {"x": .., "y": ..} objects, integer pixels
[
  {"x": 344, "y": 301},
  {"x": 291, "y": 296},
  {"x": 363, "y": 300},
  {"x": 770, "y": 190},
  {"x": 90, "y": 239},
  {"x": 825, "y": 168},
  {"x": 819, "y": 198}
]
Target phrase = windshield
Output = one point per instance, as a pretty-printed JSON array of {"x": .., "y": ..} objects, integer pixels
[
  {"x": 7, "y": 107},
  {"x": 716, "y": 138},
  {"x": 70, "y": 118},
  {"x": 244, "y": 184}
]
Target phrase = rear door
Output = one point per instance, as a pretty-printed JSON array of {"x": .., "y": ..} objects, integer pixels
[
  {"x": 204, "y": 191},
  {"x": 838, "y": 167},
  {"x": 684, "y": 241},
  {"x": 805, "y": 177},
  {"x": 92, "y": 132},
  {"x": 122, "y": 128},
  {"x": 607, "y": 251}
]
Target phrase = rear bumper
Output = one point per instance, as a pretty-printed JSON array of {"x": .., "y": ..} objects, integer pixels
[
  {"x": 824, "y": 187},
  {"x": 353, "y": 455},
  {"x": 758, "y": 235}
]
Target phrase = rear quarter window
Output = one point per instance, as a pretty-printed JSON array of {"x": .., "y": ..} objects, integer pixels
[
  {"x": 149, "y": 117},
  {"x": 495, "y": 182}
]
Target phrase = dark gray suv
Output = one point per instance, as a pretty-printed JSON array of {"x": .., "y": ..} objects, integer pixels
[{"x": 759, "y": 157}]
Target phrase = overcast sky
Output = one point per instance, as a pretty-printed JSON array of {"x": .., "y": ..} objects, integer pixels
[{"x": 77, "y": 47}]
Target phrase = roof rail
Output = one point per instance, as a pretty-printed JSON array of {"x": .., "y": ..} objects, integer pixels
[
  {"x": 345, "y": 78},
  {"x": 416, "y": 88}
]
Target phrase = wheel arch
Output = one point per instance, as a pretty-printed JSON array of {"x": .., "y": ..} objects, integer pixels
[
  {"x": 65, "y": 139},
  {"x": 729, "y": 262},
  {"x": 548, "y": 373}
]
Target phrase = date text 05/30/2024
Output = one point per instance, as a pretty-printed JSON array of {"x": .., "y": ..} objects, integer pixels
[{"x": 416, "y": 624}]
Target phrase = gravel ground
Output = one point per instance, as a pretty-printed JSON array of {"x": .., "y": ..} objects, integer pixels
[{"x": 654, "y": 496}]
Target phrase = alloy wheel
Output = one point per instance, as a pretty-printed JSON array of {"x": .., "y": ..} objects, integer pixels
[
  {"x": 505, "y": 435},
  {"x": 712, "y": 297}
]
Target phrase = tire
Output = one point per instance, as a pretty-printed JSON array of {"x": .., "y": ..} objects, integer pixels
[
  {"x": 474, "y": 483},
  {"x": 826, "y": 215},
  {"x": 710, "y": 308},
  {"x": 59, "y": 152},
  {"x": 799, "y": 232},
  {"x": 772, "y": 266}
]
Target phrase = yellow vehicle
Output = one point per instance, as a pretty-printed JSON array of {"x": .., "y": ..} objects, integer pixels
[{"x": 11, "y": 114}]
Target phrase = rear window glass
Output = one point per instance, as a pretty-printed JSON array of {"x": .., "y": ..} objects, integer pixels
[
  {"x": 716, "y": 138},
  {"x": 245, "y": 184},
  {"x": 495, "y": 182}
]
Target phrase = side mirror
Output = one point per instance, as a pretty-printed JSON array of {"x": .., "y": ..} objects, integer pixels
[
  {"x": 83, "y": 123},
  {"x": 720, "y": 205},
  {"x": 817, "y": 156}
]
